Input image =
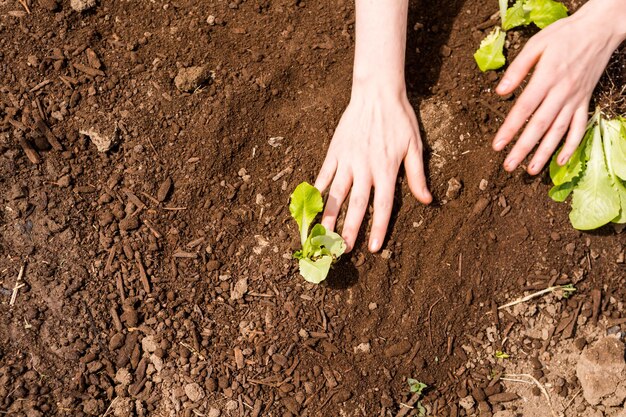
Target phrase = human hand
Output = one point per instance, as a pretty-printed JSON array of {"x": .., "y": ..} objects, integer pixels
[
  {"x": 568, "y": 57},
  {"x": 377, "y": 132}
]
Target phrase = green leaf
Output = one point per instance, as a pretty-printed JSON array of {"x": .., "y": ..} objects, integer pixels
[
  {"x": 306, "y": 202},
  {"x": 490, "y": 55},
  {"x": 572, "y": 169},
  {"x": 611, "y": 137},
  {"x": 594, "y": 202},
  {"x": 332, "y": 242},
  {"x": 309, "y": 249},
  {"x": 545, "y": 12},
  {"x": 502, "y": 355},
  {"x": 416, "y": 386},
  {"x": 559, "y": 193},
  {"x": 503, "y": 7},
  {"x": 515, "y": 16},
  {"x": 315, "y": 271},
  {"x": 618, "y": 158},
  {"x": 621, "y": 190}
]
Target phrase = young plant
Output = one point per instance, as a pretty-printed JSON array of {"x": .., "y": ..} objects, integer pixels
[
  {"x": 320, "y": 248},
  {"x": 490, "y": 55},
  {"x": 594, "y": 175},
  {"x": 418, "y": 388}
]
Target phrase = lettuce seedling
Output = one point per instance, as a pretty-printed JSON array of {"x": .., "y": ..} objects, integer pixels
[
  {"x": 320, "y": 248},
  {"x": 490, "y": 56},
  {"x": 594, "y": 176},
  {"x": 542, "y": 13},
  {"x": 418, "y": 388}
]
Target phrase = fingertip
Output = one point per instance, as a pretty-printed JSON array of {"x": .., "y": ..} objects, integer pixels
[
  {"x": 375, "y": 245},
  {"x": 534, "y": 168},
  {"x": 426, "y": 196},
  {"x": 504, "y": 87}
]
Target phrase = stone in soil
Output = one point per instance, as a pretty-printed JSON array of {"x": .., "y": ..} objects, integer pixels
[
  {"x": 601, "y": 370},
  {"x": 82, "y": 5},
  {"x": 194, "y": 392},
  {"x": 188, "y": 79},
  {"x": 454, "y": 188},
  {"x": 103, "y": 140}
]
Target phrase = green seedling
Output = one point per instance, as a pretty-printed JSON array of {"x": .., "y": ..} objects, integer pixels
[
  {"x": 502, "y": 355},
  {"x": 490, "y": 54},
  {"x": 595, "y": 175},
  {"x": 418, "y": 388},
  {"x": 320, "y": 248}
]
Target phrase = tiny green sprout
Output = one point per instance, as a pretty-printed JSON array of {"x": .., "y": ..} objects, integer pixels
[
  {"x": 568, "y": 290},
  {"x": 418, "y": 388},
  {"x": 502, "y": 355},
  {"x": 320, "y": 248}
]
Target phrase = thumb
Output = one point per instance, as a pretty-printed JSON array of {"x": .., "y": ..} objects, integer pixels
[{"x": 414, "y": 168}]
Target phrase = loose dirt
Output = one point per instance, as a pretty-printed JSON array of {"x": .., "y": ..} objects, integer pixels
[{"x": 156, "y": 244}]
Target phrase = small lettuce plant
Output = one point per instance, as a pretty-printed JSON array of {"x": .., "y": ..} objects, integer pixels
[
  {"x": 320, "y": 248},
  {"x": 595, "y": 175},
  {"x": 490, "y": 55}
]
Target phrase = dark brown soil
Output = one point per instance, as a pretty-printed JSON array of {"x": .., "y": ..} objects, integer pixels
[{"x": 134, "y": 291}]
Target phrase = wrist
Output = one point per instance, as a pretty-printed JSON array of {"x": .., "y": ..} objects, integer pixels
[
  {"x": 378, "y": 84},
  {"x": 616, "y": 11}
]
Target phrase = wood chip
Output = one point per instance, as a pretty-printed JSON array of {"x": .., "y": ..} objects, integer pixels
[
  {"x": 88, "y": 70},
  {"x": 596, "y": 297},
  {"x": 31, "y": 154},
  {"x": 40, "y": 85},
  {"x": 142, "y": 273},
  {"x": 43, "y": 128}
]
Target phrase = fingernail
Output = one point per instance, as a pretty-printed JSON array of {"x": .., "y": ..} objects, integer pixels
[
  {"x": 509, "y": 164},
  {"x": 426, "y": 192},
  {"x": 504, "y": 85},
  {"x": 497, "y": 143},
  {"x": 375, "y": 245},
  {"x": 562, "y": 160}
]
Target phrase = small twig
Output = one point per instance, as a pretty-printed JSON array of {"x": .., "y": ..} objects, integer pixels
[
  {"x": 565, "y": 288},
  {"x": 17, "y": 286},
  {"x": 109, "y": 407},
  {"x": 430, "y": 310},
  {"x": 571, "y": 401},
  {"x": 24, "y": 5},
  {"x": 515, "y": 378}
]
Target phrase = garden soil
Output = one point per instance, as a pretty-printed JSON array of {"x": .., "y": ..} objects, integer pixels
[{"x": 147, "y": 153}]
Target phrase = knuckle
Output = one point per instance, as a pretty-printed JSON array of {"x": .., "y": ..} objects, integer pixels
[
  {"x": 359, "y": 202},
  {"x": 383, "y": 205},
  {"x": 541, "y": 125}
]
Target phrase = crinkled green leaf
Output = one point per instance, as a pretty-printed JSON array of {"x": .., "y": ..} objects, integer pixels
[
  {"x": 309, "y": 249},
  {"x": 621, "y": 190},
  {"x": 545, "y": 12},
  {"x": 315, "y": 271},
  {"x": 572, "y": 169},
  {"x": 504, "y": 4},
  {"x": 416, "y": 386},
  {"x": 559, "y": 193},
  {"x": 306, "y": 202},
  {"x": 611, "y": 135},
  {"x": 618, "y": 157},
  {"x": 332, "y": 242},
  {"x": 490, "y": 55},
  {"x": 515, "y": 16},
  {"x": 595, "y": 201}
]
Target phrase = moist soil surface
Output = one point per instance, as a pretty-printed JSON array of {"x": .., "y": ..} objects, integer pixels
[{"x": 154, "y": 277}]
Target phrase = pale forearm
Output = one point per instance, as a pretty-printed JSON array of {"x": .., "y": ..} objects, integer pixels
[{"x": 380, "y": 44}]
